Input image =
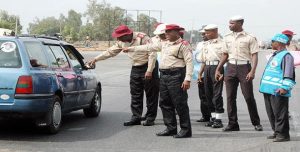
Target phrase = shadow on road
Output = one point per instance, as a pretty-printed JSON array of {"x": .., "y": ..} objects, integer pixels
[{"x": 76, "y": 127}]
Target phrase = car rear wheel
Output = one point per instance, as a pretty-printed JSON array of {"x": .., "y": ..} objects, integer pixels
[
  {"x": 55, "y": 116},
  {"x": 95, "y": 106}
]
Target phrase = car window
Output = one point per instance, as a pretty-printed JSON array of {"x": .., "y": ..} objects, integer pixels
[
  {"x": 73, "y": 59},
  {"x": 36, "y": 55},
  {"x": 9, "y": 55},
  {"x": 60, "y": 56},
  {"x": 51, "y": 57}
]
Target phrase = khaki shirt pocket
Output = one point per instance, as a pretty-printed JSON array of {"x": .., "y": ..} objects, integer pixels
[
  {"x": 243, "y": 44},
  {"x": 176, "y": 52},
  {"x": 229, "y": 46}
]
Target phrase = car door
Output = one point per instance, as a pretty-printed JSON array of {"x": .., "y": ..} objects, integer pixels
[
  {"x": 66, "y": 77},
  {"x": 86, "y": 83}
]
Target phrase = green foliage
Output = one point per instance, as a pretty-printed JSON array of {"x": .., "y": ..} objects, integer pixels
[
  {"x": 9, "y": 21},
  {"x": 101, "y": 20},
  {"x": 72, "y": 25},
  {"x": 47, "y": 26}
]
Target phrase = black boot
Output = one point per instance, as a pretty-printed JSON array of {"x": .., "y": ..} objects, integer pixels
[
  {"x": 167, "y": 132},
  {"x": 132, "y": 122},
  {"x": 210, "y": 123},
  {"x": 217, "y": 124},
  {"x": 184, "y": 133}
]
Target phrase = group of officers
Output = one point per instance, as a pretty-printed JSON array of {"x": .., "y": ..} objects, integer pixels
[{"x": 169, "y": 80}]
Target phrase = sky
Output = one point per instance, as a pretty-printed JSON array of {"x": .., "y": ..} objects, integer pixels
[{"x": 263, "y": 18}]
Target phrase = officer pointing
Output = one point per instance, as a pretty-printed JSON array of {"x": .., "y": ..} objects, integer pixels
[
  {"x": 176, "y": 69},
  {"x": 143, "y": 77}
]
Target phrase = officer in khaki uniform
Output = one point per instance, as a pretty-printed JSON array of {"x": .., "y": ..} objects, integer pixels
[
  {"x": 176, "y": 69},
  {"x": 242, "y": 56},
  {"x": 210, "y": 55},
  {"x": 143, "y": 77},
  {"x": 205, "y": 106}
]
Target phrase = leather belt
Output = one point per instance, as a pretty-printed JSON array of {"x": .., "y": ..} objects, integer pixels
[
  {"x": 239, "y": 62},
  {"x": 211, "y": 62},
  {"x": 172, "y": 71}
]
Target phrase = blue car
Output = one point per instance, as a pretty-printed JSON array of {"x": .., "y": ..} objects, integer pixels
[{"x": 43, "y": 78}]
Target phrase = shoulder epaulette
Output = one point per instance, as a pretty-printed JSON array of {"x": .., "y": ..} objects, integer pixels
[
  {"x": 184, "y": 42},
  {"x": 227, "y": 34},
  {"x": 141, "y": 35}
]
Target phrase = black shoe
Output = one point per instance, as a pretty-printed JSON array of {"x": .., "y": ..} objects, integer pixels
[
  {"x": 183, "y": 133},
  {"x": 210, "y": 123},
  {"x": 217, "y": 124},
  {"x": 132, "y": 123},
  {"x": 281, "y": 139},
  {"x": 271, "y": 136},
  {"x": 258, "y": 127},
  {"x": 232, "y": 128},
  {"x": 167, "y": 132},
  {"x": 202, "y": 119},
  {"x": 148, "y": 123},
  {"x": 143, "y": 118}
]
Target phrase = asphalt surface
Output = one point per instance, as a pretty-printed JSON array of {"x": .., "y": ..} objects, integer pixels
[{"x": 107, "y": 133}]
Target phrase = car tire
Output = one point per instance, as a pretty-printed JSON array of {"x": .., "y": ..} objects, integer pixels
[
  {"x": 95, "y": 106},
  {"x": 54, "y": 116}
]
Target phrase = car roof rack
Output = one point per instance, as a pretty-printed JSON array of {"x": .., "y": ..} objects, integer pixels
[{"x": 38, "y": 36}]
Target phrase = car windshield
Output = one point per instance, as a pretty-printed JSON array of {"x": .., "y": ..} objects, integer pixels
[{"x": 9, "y": 55}]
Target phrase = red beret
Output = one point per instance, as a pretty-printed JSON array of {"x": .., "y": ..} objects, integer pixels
[
  {"x": 288, "y": 32},
  {"x": 174, "y": 27},
  {"x": 121, "y": 31}
]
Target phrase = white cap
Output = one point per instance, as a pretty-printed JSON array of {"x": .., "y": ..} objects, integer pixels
[
  {"x": 211, "y": 27},
  {"x": 236, "y": 18},
  {"x": 160, "y": 29},
  {"x": 202, "y": 30}
]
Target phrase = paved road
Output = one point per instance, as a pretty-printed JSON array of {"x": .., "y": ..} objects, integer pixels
[{"x": 107, "y": 133}]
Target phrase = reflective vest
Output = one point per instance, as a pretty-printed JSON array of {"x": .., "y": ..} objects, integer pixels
[{"x": 272, "y": 78}]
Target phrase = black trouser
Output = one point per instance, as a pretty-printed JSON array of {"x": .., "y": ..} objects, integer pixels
[
  {"x": 277, "y": 109},
  {"x": 234, "y": 75},
  {"x": 213, "y": 88},
  {"x": 173, "y": 97},
  {"x": 204, "y": 104},
  {"x": 138, "y": 84}
]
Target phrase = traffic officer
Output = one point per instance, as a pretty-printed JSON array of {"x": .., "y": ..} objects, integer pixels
[
  {"x": 210, "y": 55},
  {"x": 242, "y": 56},
  {"x": 204, "y": 104},
  {"x": 159, "y": 37},
  {"x": 276, "y": 84},
  {"x": 143, "y": 77},
  {"x": 176, "y": 68}
]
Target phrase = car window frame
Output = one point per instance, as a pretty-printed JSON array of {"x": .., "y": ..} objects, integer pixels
[{"x": 43, "y": 52}]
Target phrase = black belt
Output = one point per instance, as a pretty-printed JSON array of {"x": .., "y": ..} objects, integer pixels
[
  {"x": 172, "y": 71},
  {"x": 140, "y": 66}
]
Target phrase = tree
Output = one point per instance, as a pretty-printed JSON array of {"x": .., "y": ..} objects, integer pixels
[
  {"x": 145, "y": 24},
  {"x": 71, "y": 25},
  {"x": 103, "y": 19},
  {"x": 47, "y": 26},
  {"x": 9, "y": 21}
]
